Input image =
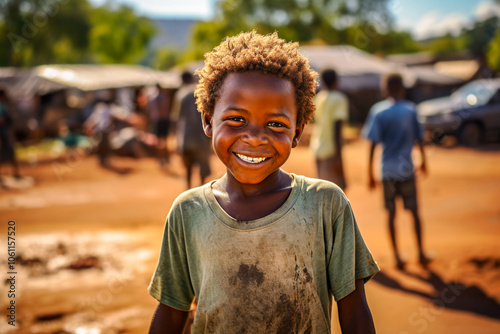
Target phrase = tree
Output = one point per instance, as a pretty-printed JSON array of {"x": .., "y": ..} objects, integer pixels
[
  {"x": 445, "y": 45},
  {"x": 493, "y": 55},
  {"x": 166, "y": 58},
  {"x": 363, "y": 23},
  {"x": 118, "y": 35},
  {"x": 34, "y": 32},
  {"x": 477, "y": 39}
]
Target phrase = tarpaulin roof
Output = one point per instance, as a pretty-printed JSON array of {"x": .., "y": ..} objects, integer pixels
[
  {"x": 8, "y": 77},
  {"x": 360, "y": 70},
  {"x": 48, "y": 78},
  {"x": 429, "y": 75},
  {"x": 356, "y": 69},
  {"x": 346, "y": 60}
]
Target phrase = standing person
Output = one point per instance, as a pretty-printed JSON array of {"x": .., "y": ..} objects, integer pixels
[
  {"x": 192, "y": 144},
  {"x": 394, "y": 124},
  {"x": 332, "y": 109},
  {"x": 159, "y": 108},
  {"x": 7, "y": 152},
  {"x": 102, "y": 122},
  {"x": 263, "y": 251}
]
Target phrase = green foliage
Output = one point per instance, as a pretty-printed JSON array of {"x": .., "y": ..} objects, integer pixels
[
  {"x": 493, "y": 55},
  {"x": 474, "y": 40},
  {"x": 479, "y": 36},
  {"x": 166, "y": 58},
  {"x": 365, "y": 24},
  {"x": 118, "y": 35},
  {"x": 369, "y": 39},
  {"x": 444, "y": 45},
  {"x": 35, "y": 32}
]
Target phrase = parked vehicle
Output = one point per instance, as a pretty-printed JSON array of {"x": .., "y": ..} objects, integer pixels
[{"x": 471, "y": 113}]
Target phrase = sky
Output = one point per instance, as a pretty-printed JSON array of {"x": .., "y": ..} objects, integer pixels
[{"x": 423, "y": 18}]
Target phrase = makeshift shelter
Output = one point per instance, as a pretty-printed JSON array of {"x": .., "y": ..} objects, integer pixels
[
  {"x": 45, "y": 94},
  {"x": 49, "y": 78},
  {"x": 360, "y": 74},
  {"x": 357, "y": 69},
  {"x": 7, "y": 77}
]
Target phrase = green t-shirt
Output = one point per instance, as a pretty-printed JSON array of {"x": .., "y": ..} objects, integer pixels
[{"x": 277, "y": 273}]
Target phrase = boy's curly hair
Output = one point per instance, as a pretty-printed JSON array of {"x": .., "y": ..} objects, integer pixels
[{"x": 250, "y": 51}]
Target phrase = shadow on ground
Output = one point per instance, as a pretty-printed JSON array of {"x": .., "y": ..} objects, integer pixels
[{"x": 450, "y": 295}]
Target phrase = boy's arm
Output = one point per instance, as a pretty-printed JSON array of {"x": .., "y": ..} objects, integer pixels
[
  {"x": 371, "y": 179},
  {"x": 338, "y": 144},
  {"x": 354, "y": 313},
  {"x": 168, "y": 320},
  {"x": 423, "y": 167}
]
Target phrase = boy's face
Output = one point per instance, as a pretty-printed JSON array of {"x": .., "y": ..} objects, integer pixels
[{"x": 253, "y": 127}]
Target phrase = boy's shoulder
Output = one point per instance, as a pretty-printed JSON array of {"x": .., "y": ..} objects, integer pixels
[
  {"x": 192, "y": 197},
  {"x": 388, "y": 110},
  {"x": 320, "y": 190}
]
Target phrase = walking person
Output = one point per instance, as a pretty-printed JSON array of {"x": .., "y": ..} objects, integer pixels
[{"x": 394, "y": 125}]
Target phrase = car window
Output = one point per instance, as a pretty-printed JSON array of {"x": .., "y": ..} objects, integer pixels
[{"x": 473, "y": 94}]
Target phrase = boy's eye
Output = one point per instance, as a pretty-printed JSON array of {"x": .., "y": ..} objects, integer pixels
[
  {"x": 276, "y": 124},
  {"x": 236, "y": 119}
]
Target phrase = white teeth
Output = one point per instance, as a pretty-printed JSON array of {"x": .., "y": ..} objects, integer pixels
[{"x": 249, "y": 159}]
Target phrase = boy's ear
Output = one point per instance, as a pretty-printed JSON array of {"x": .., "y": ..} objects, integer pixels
[
  {"x": 207, "y": 124},
  {"x": 298, "y": 133}
]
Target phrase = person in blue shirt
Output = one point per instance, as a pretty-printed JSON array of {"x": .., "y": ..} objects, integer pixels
[{"x": 393, "y": 123}]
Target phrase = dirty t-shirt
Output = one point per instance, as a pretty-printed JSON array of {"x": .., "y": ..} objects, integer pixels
[{"x": 276, "y": 274}]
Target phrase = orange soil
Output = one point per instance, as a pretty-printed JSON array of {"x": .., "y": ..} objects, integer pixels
[{"x": 119, "y": 219}]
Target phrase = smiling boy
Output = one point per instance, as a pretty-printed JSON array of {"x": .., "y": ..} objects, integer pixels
[{"x": 262, "y": 250}]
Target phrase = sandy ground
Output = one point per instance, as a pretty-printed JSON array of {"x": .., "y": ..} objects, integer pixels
[{"x": 87, "y": 241}]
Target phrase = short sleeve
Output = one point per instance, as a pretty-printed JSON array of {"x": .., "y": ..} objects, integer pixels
[
  {"x": 171, "y": 283},
  {"x": 350, "y": 259},
  {"x": 373, "y": 132},
  {"x": 368, "y": 123}
]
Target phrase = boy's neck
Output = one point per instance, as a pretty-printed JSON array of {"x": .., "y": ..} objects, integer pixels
[
  {"x": 248, "y": 202},
  {"x": 278, "y": 181}
]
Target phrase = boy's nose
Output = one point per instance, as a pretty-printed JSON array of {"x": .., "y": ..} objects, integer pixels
[{"x": 255, "y": 136}]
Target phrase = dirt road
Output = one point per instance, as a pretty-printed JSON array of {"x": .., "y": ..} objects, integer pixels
[{"x": 87, "y": 242}]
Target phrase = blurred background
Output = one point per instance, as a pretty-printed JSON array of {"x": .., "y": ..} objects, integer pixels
[{"x": 91, "y": 132}]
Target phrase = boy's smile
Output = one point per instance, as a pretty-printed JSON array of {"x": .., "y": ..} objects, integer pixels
[{"x": 253, "y": 127}]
